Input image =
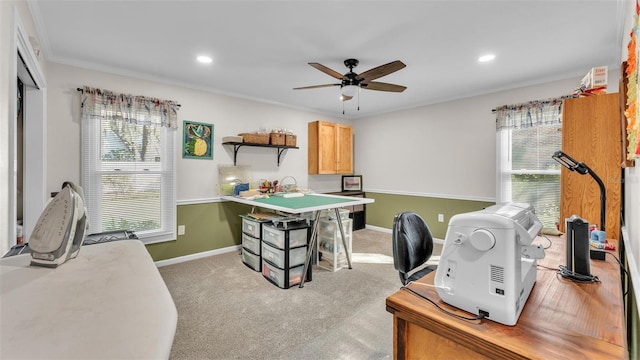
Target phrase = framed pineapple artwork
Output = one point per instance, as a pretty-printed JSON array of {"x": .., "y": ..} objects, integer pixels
[{"x": 197, "y": 140}]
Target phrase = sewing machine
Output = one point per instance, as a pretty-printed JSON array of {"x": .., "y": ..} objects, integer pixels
[
  {"x": 61, "y": 228},
  {"x": 488, "y": 265}
]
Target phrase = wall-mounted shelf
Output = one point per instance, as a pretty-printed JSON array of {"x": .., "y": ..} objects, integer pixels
[{"x": 237, "y": 145}]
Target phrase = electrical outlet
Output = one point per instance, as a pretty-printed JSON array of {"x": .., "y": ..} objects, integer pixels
[
  {"x": 180, "y": 229},
  {"x": 440, "y": 218}
]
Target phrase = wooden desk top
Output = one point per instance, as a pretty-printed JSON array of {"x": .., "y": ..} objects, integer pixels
[{"x": 561, "y": 319}]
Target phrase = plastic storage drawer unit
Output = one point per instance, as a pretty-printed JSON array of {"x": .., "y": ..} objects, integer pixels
[
  {"x": 251, "y": 260},
  {"x": 252, "y": 227},
  {"x": 282, "y": 278},
  {"x": 331, "y": 253},
  {"x": 250, "y": 243},
  {"x": 284, "y": 258},
  {"x": 295, "y": 235}
]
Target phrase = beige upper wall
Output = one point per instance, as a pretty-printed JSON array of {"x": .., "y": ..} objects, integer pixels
[
  {"x": 197, "y": 178},
  {"x": 443, "y": 150}
]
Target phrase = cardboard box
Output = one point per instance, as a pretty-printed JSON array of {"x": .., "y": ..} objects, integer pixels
[{"x": 595, "y": 78}]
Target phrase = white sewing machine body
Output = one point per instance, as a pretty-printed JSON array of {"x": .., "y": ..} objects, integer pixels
[{"x": 487, "y": 263}]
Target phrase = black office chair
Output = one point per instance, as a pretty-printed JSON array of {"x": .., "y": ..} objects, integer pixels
[{"x": 412, "y": 246}]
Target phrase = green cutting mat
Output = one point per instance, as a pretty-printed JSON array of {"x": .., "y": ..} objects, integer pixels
[{"x": 302, "y": 201}]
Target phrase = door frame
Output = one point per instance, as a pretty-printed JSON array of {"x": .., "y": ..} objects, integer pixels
[{"x": 35, "y": 135}]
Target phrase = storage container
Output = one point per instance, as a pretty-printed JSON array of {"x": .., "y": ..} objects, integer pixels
[
  {"x": 251, "y": 260},
  {"x": 249, "y": 138},
  {"x": 231, "y": 139},
  {"x": 331, "y": 214},
  {"x": 330, "y": 229},
  {"x": 331, "y": 254},
  {"x": 282, "y": 278},
  {"x": 295, "y": 235},
  {"x": 252, "y": 227},
  {"x": 276, "y": 138},
  {"x": 290, "y": 140},
  {"x": 332, "y": 261},
  {"x": 250, "y": 243},
  {"x": 284, "y": 258}
]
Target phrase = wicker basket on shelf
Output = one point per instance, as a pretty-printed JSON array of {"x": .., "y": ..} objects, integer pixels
[
  {"x": 277, "y": 138},
  {"x": 255, "y": 138},
  {"x": 290, "y": 140}
]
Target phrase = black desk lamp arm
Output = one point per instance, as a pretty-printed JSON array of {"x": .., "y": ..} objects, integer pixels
[
  {"x": 581, "y": 168},
  {"x": 603, "y": 196}
]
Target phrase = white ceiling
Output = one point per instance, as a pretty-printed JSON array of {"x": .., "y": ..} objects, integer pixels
[{"x": 261, "y": 48}]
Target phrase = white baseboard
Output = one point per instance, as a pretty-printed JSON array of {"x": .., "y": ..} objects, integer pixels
[
  {"x": 378, "y": 228},
  {"x": 195, "y": 256},
  {"x": 204, "y": 254},
  {"x": 388, "y": 231}
]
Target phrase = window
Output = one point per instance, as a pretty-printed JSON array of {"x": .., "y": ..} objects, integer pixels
[
  {"x": 527, "y": 135},
  {"x": 128, "y": 164}
]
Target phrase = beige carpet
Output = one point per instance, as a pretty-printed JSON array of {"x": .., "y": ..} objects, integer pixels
[{"x": 228, "y": 311}]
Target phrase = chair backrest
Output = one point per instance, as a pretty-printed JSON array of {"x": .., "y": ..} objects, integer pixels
[{"x": 412, "y": 242}]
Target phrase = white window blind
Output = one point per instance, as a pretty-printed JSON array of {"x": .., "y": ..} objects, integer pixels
[
  {"x": 527, "y": 135},
  {"x": 128, "y": 163}
]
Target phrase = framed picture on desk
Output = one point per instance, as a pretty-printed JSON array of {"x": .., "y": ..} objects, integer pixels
[{"x": 352, "y": 183}]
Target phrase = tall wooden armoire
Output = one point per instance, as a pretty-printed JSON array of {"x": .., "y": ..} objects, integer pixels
[{"x": 591, "y": 135}]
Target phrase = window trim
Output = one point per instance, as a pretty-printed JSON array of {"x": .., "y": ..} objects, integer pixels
[
  {"x": 504, "y": 168},
  {"x": 91, "y": 153}
]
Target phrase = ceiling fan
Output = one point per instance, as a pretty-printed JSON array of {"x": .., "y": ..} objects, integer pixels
[{"x": 351, "y": 82}]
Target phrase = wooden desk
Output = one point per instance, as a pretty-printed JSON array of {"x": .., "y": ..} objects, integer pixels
[{"x": 561, "y": 319}]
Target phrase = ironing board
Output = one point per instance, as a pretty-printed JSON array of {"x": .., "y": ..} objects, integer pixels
[{"x": 108, "y": 302}]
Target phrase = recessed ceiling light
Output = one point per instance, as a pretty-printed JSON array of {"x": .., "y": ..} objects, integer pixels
[
  {"x": 204, "y": 59},
  {"x": 485, "y": 58}
]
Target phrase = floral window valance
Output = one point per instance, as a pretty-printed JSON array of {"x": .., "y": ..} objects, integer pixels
[
  {"x": 134, "y": 109},
  {"x": 530, "y": 114}
]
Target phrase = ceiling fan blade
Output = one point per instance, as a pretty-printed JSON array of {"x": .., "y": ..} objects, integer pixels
[
  {"x": 381, "y": 70},
  {"x": 315, "y": 86},
  {"x": 380, "y": 86},
  {"x": 345, "y": 97},
  {"x": 327, "y": 71}
]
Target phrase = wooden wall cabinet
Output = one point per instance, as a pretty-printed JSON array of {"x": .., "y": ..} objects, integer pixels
[
  {"x": 591, "y": 134},
  {"x": 330, "y": 148}
]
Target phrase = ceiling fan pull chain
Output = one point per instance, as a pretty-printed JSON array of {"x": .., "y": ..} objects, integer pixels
[{"x": 359, "y": 89}]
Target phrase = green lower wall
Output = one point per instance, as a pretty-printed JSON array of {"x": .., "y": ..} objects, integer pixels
[
  {"x": 208, "y": 226},
  {"x": 386, "y": 206},
  {"x": 217, "y": 225}
]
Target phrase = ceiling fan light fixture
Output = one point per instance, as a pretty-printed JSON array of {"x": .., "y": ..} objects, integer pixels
[
  {"x": 204, "y": 59},
  {"x": 486, "y": 58},
  {"x": 350, "y": 90}
]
